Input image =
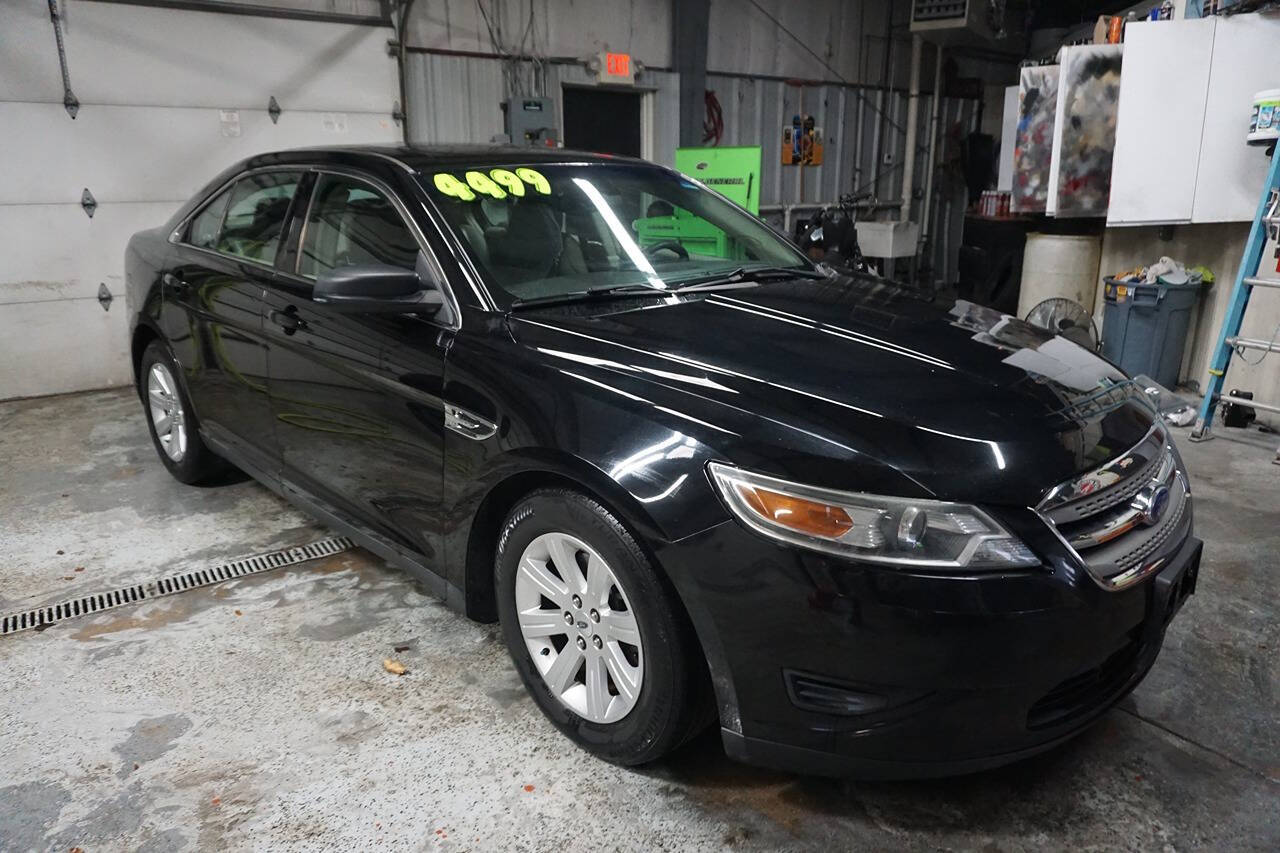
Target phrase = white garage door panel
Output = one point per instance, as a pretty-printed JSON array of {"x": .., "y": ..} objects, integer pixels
[
  {"x": 121, "y": 54},
  {"x": 54, "y": 249},
  {"x": 153, "y": 84},
  {"x": 150, "y": 153},
  {"x": 66, "y": 345}
]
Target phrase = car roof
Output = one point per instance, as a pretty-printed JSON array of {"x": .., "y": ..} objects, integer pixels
[{"x": 424, "y": 157}]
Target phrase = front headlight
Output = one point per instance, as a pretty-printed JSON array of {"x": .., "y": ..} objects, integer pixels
[{"x": 898, "y": 531}]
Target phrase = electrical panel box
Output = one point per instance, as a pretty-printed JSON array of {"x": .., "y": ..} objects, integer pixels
[
  {"x": 734, "y": 172},
  {"x": 531, "y": 121}
]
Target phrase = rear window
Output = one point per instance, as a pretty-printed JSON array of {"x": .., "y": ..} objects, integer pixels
[
  {"x": 255, "y": 215},
  {"x": 204, "y": 228}
]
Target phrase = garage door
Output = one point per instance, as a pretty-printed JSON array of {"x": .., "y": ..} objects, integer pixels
[{"x": 167, "y": 99}]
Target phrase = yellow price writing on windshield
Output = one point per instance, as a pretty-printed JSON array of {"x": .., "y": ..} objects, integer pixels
[
  {"x": 451, "y": 186},
  {"x": 535, "y": 179},
  {"x": 482, "y": 183},
  {"x": 497, "y": 184},
  {"x": 510, "y": 180}
]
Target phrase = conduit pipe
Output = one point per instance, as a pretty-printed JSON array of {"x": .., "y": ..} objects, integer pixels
[{"x": 913, "y": 113}]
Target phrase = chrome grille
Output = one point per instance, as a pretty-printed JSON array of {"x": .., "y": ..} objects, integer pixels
[
  {"x": 1122, "y": 493},
  {"x": 1108, "y": 485},
  {"x": 1114, "y": 518}
]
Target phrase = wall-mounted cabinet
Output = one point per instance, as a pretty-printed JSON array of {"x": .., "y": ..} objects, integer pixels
[
  {"x": 1246, "y": 60},
  {"x": 1185, "y": 99}
]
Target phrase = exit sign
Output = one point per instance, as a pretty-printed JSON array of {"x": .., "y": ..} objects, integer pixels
[{"x": 616, "y": 68}]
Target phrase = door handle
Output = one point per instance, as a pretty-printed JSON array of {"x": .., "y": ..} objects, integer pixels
[
  {"x": 288, "y": 320},
  {"x": 178, "y": 286}
]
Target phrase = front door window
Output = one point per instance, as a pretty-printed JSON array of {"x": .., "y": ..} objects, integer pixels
[{"x": 351, "y": 223}]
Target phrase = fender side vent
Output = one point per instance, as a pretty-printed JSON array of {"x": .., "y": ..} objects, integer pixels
[{"x": 40, "y": 618}]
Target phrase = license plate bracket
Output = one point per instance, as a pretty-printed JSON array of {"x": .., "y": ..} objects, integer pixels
[{"x": 1175, "y": 584}]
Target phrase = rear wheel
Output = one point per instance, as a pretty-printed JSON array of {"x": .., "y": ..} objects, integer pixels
[
  {"x": 171, "y": 420},
  {"x": 597, "y": 636}
]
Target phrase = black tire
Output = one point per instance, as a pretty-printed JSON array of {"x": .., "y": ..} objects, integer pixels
[
  {"x": 674, "y": 701},
  {"x": 198, "y": 463}
]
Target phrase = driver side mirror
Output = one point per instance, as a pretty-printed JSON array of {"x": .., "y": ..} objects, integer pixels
[{"x": 381, "y": 289}]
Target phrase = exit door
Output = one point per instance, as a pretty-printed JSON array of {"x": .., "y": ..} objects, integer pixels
[{"x": 602, "y": 120}]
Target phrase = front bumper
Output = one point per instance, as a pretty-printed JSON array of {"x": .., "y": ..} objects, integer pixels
[{"x": 915, "y": 675}]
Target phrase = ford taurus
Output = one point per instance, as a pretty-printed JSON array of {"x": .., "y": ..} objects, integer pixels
[{"x": 694, "y": 477}]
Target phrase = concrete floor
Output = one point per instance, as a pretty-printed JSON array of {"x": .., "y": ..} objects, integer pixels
[{"x": 257, "y": 713}]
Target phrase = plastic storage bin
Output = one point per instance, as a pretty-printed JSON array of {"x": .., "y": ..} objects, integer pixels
[{"x": 1144, "y": 326}]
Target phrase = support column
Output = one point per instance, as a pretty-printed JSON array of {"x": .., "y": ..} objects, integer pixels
[{"x": 689, "y": 29}]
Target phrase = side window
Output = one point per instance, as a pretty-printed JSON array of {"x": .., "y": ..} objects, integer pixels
[
  {"x": 204, "y": 228},
  {"x": 255, "y": 215},
  {"x": 351, "y": 223}
]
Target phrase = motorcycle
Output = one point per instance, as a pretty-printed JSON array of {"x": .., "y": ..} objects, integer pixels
[{"x": 830, "y": 236}]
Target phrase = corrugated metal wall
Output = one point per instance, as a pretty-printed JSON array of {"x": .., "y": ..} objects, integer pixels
[
  {"x": 756, "y": 109},
  {"x": 453, "y": 98},
  {"x": 457, "y": 99}
]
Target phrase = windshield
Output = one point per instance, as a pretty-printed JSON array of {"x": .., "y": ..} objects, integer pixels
[{"x": 543, "y": 231}]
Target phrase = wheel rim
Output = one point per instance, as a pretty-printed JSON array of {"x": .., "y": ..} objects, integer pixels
[
  {"x": 167, "y": 416},
  {"x": 579, "y": 627}
]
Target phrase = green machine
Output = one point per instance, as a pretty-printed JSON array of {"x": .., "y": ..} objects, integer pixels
[{"x": 734, "y": 172}]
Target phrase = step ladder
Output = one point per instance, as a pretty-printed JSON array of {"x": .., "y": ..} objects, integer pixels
[{"x": 1266, "y": 226}]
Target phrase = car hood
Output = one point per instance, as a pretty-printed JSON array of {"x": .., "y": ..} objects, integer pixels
[{"x": 857, "y": 384}]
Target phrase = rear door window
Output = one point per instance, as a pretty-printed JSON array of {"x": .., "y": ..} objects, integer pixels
[
  {"x": 255, "y": 215},
  {"x": 204, "y": 228}
]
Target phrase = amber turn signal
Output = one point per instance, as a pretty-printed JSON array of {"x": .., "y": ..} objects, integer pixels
[{"x": 805, "y": 516}]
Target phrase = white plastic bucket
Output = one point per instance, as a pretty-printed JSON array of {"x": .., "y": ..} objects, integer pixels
[
  {"x": 1264, "y": 122},
  {"x": 1059, "y": 265}
]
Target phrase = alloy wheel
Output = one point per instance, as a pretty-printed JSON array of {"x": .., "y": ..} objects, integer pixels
[
  {"x": 579, "y": 627},
  {"x": 167, "y": 416}
]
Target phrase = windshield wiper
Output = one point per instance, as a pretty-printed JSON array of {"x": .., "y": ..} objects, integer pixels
[
  {"x": 601, "y": 292},
  {"x": 731, "y": 278},
  {"x": 743, "y": 274}
]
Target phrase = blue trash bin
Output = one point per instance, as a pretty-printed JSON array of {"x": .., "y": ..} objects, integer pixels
[{"x": 1144, "y": 326}]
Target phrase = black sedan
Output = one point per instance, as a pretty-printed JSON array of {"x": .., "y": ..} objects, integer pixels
[{"x": 694, "y": 476}]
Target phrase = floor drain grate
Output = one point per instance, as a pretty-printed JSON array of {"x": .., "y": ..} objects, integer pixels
[{"x": 86, "y": 605}]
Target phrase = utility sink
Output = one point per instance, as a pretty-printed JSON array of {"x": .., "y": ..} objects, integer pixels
[{"x": 888, "y": 239}]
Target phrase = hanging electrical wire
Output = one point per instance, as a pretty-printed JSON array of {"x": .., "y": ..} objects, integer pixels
[
  {"x": 713, "y": 126},
  {"x": 1270, "y": 348},
  {"x": 523, "y": 68},
  {"x": 763, "y": 11}
]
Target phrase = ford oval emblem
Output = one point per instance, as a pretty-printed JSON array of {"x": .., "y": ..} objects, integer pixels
[{"x": 1151, "y": 503}]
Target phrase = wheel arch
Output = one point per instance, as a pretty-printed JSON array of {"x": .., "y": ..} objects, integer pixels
[
  {"x": 518, "y": 477},
  {"x": 502, "y": 495},
  {"x": 143, "y": 335}
]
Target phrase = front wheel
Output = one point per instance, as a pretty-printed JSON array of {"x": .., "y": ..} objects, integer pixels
[{"x": 597, "y": 636}]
